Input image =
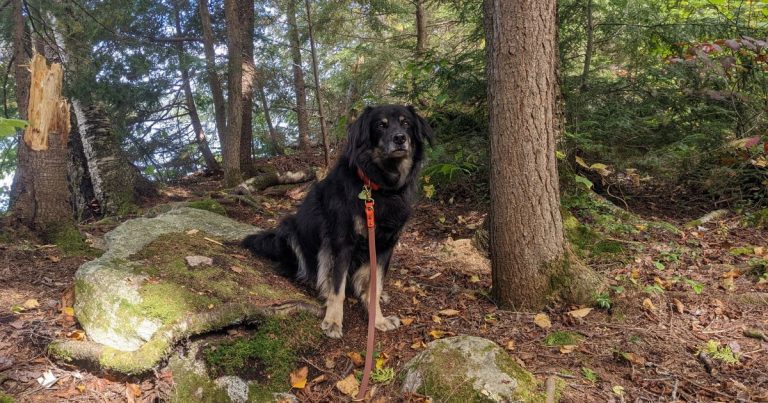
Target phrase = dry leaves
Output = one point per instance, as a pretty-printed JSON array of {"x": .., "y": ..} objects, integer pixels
[
  {"x": 449, "y": 312},
  {"x": 299, "y": 377},
  {"x": 30, "y": 304},
  {"x": 679, "y": 307},
  {"x": 406, "y": 321},
  {"x": 580, "y": 313},
  {"x": 356, "y": 358},
  {"x": 648, "y": 305},
  {"x": 542, "y": 320},
  {"x": 348, "y": 386}
]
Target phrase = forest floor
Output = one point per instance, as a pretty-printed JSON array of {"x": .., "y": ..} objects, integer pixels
[{"x": 672, "y": 293}]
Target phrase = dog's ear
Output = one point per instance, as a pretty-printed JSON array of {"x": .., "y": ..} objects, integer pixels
[
  {"x": 359, "y": 135},
  {"x": 423, "y": 130}
]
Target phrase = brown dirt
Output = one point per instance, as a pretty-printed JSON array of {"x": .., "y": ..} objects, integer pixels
[{"x": 666, "y": 337}]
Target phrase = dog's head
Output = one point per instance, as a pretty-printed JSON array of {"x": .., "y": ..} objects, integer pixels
[{"x": 389, "y": 136}]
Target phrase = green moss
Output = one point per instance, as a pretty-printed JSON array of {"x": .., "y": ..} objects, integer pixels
[
  {"x": 134, "y": 362},
  {"x": 527, "y": 389},
  {"x": 193, "y": 387},
  {"x": 169, "y": 302},
  {"x": 208, "y": 205},
  {"x": 273, "y": 351},
  {"x": 5, "y": 398},
  {"x": 742, "y": 250},
  {"x": 562, "y": 338},
  {"x": 59, "y": 353},
  {"x": 68, "y": 238}
]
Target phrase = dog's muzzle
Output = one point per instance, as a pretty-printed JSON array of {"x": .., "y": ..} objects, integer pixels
[{"x": 398, "y": 145}]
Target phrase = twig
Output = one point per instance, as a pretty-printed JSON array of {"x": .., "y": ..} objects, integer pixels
[{"x": 550, "y": 386}]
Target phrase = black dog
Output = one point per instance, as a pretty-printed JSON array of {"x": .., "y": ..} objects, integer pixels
[{"x": 325, "y": 242}]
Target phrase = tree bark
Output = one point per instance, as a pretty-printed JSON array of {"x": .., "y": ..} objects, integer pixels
[
  {"x": 298, "y": 77},
  {"x": 421, "y": 28},
  {"x": 194, "y": 117},
  {"x": 21, "y": 45},
  {"x": 588, "y": 51},
  {"x": 277, "y": 144},
  {"x": 219, "y": 107},
  {"x": 318, "y": 92},
  {"x": 230, "y": 143},
  {"x": 249, "y": 77},
  {"x": 526, "y": 230}
]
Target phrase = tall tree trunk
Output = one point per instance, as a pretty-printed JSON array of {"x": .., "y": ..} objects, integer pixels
[
  {"x": 219, "y": 107},
  {"x": 527, "y": 245},
  {"x": 21, "y": 45},
  {"x": 277, "y": 144},
  {"x": 588, "y": 51},
  {"x": 44, "y": 202},
  {"x": 421, "y": 28},
  {"x": 230, "y": 143},
  {"x": 299, "y": 86},
  {"x": 249, "y": 77},
  {"x": 318, "y": 92},
  {"x": 197, "y": 126},
  {"x": 117, "y": 183}
]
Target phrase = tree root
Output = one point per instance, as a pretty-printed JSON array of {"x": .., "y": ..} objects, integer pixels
[
  {"x": 261, "y": 182},
  {"x": 160, "y": 345}
]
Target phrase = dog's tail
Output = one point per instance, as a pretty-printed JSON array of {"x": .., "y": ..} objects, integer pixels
[{"x": 273, "y": 245}]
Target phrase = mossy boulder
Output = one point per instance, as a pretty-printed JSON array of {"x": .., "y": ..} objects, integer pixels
[
  {"x": 469, "y": 369},
  {"x": 140, "y": 297}
]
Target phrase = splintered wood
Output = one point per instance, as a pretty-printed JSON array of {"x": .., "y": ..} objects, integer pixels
[{"x": 48, "y": 112}]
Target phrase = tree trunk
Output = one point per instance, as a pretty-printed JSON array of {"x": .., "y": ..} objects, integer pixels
[
  {"x": 298, "y": 77},
  {"x": 219, "y": 107},
  {"x": 21, "y": 46},
  {"x": 117, "y": 183},
  {"x": 527, "y": 245},
  {"x": 421, "y": 28},
  {"x": 44, "y": 201},
  {"x": 588, "y": 51},
  {"x": 318, "y": 92},
  {"x": 277, "y": 145},
  {"x": 249, "y": 77},
  {"x": 230, "y": 143},
  {"x": 202, "y": 142}
]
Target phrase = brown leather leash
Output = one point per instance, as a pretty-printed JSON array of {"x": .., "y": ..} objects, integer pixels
[{"x": 367, "y": 195}]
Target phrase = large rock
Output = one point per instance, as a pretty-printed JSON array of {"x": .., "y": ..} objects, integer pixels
[
  {"x": 140, "y": 297},
  {"x": 469, "y": 369}
]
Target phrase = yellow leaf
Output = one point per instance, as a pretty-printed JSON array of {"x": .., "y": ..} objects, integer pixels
[
  {"x": 679, "y": 307},
  {"x": 418, "y": 345},
  {"x": 78, "y": 335},
  {"x": 193, "y": 231},
  {"x": 728, "y": 284},
  {"x": 567, "y": 349},
  {"x": 474, "y": 279},
  {"x": 648, "y": 305},
  {"x": 436, "y": 334},
  {"x": 348, "y": 386},
  {"x": 580, "y": 313},
  {"x": 81, "y": 388},
  {"x": 449, "y": 312},
  {"x": 581, "y": 162},
  {"x": 134, "y": 389},
  {"x": 641, "y": 227},
  {"x": 210, "y": 306},
  {"x": 542, "y": 320},
  {"x": 299, "y": 377},
  {"x": 759, "y": 250},
  {"x": 381, "y": 360},
  {"x": 68, "y": 310},
  {"x": 356, "y": 358},
  {"x": 406, "y": 321},
  {"x": 436, "y": 319},
  {"x": 31, "y": 304},
  {"x": 236, "y": 269},
  {"x": 511, "y": 345}
]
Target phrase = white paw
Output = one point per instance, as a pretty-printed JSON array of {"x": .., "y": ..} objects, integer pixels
[
  {"x": 332, "y": 329},
  {"x": 387, "y": 323},
  {"x": 384, "y": 297}
]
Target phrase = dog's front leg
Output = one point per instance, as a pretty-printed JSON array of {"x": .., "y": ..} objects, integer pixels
[
  {"x": 360, "y": 282},
  {"x": 332, "y": 281}
]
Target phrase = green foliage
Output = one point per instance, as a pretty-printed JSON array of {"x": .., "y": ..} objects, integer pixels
[
  {"x": 721, "y": 353},
  {"x": 603, "y": 300},
  {"x": 562, "y": 338},
  {"x": 208, "y": 205},
  {"x": 8, "y": 127},
  {"x": 589, "y": 374},
  {"x": 6, "y": 399}
]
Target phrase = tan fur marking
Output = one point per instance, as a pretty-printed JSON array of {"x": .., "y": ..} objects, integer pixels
[{"x": 334, "y": 312}]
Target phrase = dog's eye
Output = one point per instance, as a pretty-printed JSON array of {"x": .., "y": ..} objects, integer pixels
[
  {"x": 405, "y": 124},
  {"x": 381, "y": 125}
]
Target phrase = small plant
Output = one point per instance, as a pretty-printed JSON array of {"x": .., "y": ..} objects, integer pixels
[
  {"x": 695, "y": 285},
  {"x": 603, "y": 300},
  {"x": 383, "y": 375},
  {"x": 721, "y": 353},
  {"x": 654, "y": 289},
  {"x": 589, "y": 374},
  {"x": 659, "y": 265}
]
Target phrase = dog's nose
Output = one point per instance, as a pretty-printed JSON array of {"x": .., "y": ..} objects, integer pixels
[{"x": 399, "y": 139}]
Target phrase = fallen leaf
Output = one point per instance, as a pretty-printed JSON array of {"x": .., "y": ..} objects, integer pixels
[
  {"x": 192, "y": 231},
  {"x": 213, "y": 241},
  {"x": 474, "y": 279},
  {"x": 236, "y": 269},
  {"x": 31, "y": 304},
  {"x": 348, "y": 386},
  {"x": 449, "y": 312},
  {"x": 542, "y": 320},
  {"x": 356, "y": 358},
  {"x": 406, "y": 321},
  {"x": 418, "y": 345},
  {"x": 68, "y": 311},
  {"x": 47, "y": 379},
  {"x": 194, "y": 261},
  {"x": 238, "y": 256},
  {"x": 759, "y": 250},
  {"x": 511, "y": 345},
  {"x": 436, "y": 319},
  {"x": 679, "y": 307},
  {"x": 81, "y": 388},
  {"x": 210, "y": 306},
  {"x": 580, "y": 313},
  {"x": 78, "y": 335},
  {"x": 567, "y": 349},
  {"x": 618, "y": 390},
  {"x": 631, "y": 358},
  {"x": 299, "y": 377},
  {"x": 134, "y": 389},
  {"x": 648, "y": 305},
  {"x": 317, "y": 379},
  {"x": 381, "y": 361},
  {"x": 728, "y": 284},
  {"x": 54, "y": 259},
  {"x": 436, "y": 334}
]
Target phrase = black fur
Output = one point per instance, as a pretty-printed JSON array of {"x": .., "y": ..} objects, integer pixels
[{"x": 327, "y": 217}]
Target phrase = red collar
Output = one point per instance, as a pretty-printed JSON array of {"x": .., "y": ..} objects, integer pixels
[{"x": 366, "y": 180}]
